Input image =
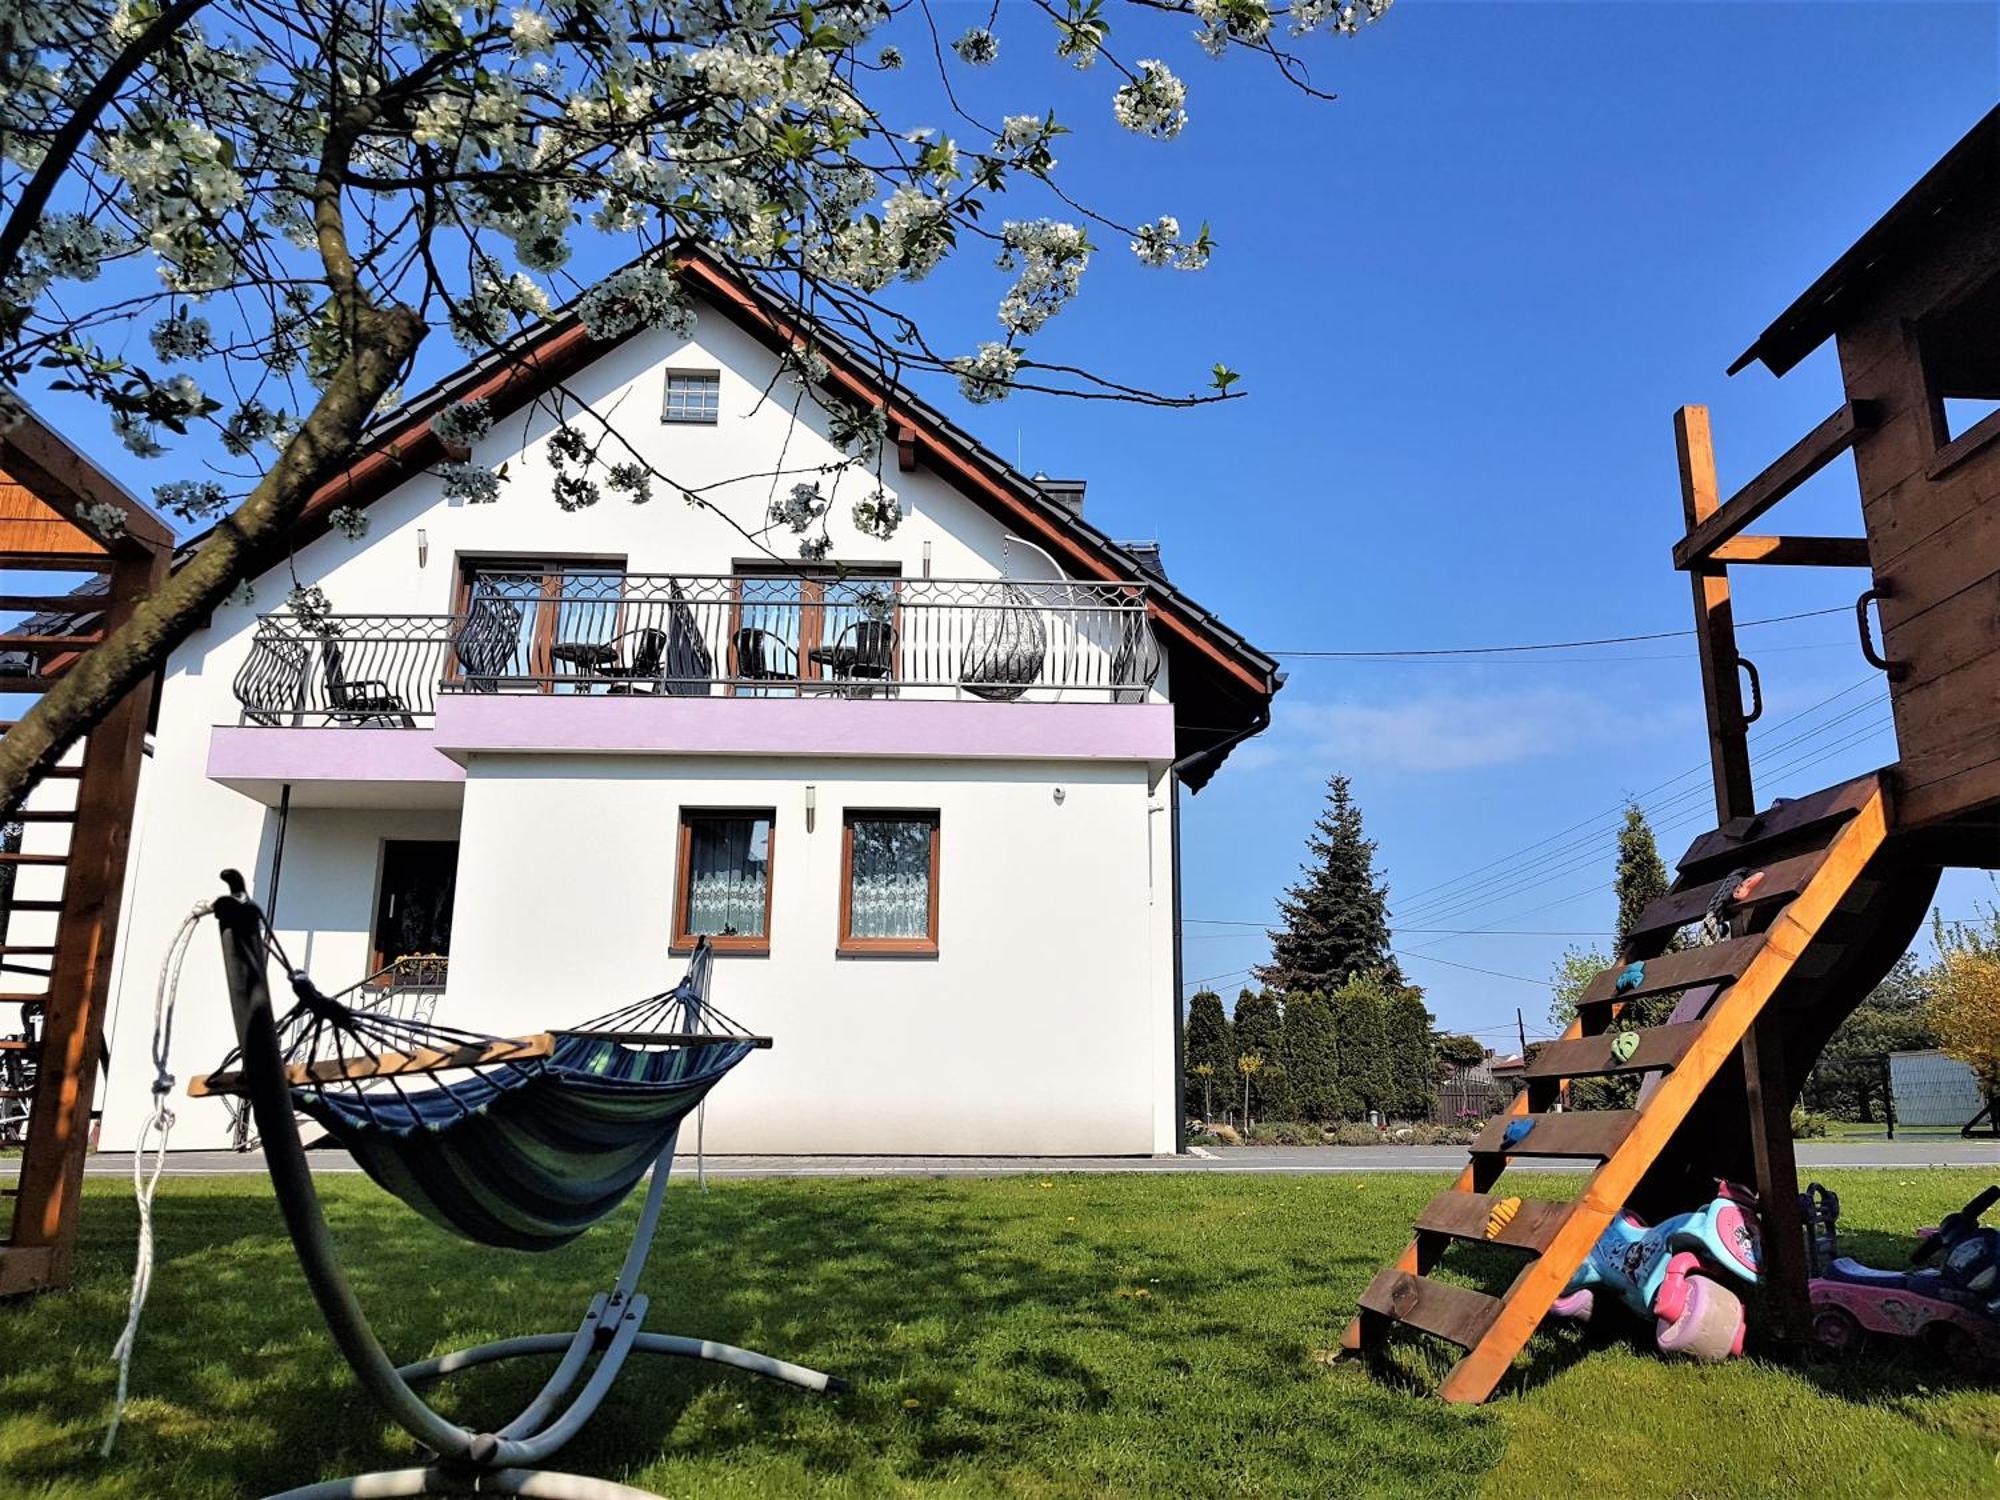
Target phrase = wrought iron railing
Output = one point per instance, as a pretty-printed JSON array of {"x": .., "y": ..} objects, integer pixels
[{"x": 680, "y": 636}]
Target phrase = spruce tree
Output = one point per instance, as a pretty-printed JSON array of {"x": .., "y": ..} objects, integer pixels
[
  {"x": 1336, "y": 918},
  {"x": 1208, "y": 1044},
  {"x": 1312, "y": 1059},
  {"x": 1259, "y": 1032}
]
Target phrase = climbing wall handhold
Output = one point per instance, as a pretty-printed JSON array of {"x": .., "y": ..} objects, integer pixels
[
  {"x": 1517, "y": 1131},
  {"x": 1633, "y": 976},
  {"x": 1624, "y": 1045},
  {"x": 1501, "y": 1216}
]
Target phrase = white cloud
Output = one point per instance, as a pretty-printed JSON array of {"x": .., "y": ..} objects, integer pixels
[{"x": 1444, "y": 730}]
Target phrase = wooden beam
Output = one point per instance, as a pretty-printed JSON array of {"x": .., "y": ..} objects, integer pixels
[
  {"x": 1799, "y": 463},
  {"x": 1783, "y": 1272},
  {"x": 388, "y": 1064},
  {"x": 1467, "y": 1216},
  {"x": 1715, "y": 625},
  {"x": 1794, "y": 551},
  {"x": 1454, "y": 1313}
]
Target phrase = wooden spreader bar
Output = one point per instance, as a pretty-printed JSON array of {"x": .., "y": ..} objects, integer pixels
[{"x": 388, "y": 1064}]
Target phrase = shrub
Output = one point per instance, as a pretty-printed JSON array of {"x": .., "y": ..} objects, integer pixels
[
  {"x": 1224, "y": 1135},
  {"x": 1807, "y": 1125},
  {"x": 1355, "y": 1133},
  {"x": 1283, "y": 1133}
]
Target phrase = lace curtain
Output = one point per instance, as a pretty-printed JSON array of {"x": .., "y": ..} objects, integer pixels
[
  {"x": 891, "y": 897},
  {"x": 729, "y": 876}
]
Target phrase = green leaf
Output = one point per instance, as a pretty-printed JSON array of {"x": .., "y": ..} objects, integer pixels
[{"x": 1224, "y": 377}]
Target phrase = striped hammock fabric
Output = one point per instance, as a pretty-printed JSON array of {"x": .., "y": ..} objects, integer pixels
[{"x": 526, "y": 1156}]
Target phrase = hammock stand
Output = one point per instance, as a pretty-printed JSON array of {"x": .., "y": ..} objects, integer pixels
[{"x": 505, "y": 1460}]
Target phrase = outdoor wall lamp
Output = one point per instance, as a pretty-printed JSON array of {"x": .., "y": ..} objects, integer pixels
[
  {"x": 1059, "y": 796},
  {"x": 423, "y": 548},
  {"x": 812, "y": 805}
]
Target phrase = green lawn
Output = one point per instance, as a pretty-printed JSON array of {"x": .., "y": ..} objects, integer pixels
[{"x": 1125, "y": 1335}]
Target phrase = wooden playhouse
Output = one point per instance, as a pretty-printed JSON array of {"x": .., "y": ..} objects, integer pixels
[{"x": 1848, "y": 873}]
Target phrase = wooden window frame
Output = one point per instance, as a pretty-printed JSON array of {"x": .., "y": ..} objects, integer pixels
[
  {"x": 552, "y": 571},
  {"x": 1949, "y": 450},
  {"x": 668, "y": 418},
  {"x": 684, "y": 941},
  {"x": 850, "y": 946}
]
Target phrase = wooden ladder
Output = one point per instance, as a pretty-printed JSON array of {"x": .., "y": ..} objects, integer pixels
[{"x": 1814, "y": 853}]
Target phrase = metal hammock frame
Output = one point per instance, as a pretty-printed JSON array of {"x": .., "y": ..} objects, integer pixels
[{"x": 506, "y": 1460}]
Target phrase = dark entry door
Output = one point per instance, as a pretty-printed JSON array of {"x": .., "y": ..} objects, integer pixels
[{"x": 413, "y": 911}]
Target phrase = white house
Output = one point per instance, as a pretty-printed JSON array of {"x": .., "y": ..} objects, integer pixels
[{"x": 922, "y": 795}]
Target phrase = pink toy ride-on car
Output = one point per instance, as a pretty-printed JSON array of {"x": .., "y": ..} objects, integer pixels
[{"x": 1949, "y": 1304}]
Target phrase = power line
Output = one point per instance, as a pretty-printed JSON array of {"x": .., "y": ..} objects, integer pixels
[{"x": 1608, "y": 640}]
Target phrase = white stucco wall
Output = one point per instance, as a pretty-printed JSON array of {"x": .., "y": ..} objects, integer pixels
[{"x": 1045, "y": 1023}]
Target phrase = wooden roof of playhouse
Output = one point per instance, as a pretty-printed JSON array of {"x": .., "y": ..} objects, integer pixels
[
  {"x": 1913, "y": 308},
  {"x": 1222, "y": 684}
]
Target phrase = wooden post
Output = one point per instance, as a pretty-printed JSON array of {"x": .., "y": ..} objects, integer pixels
[
  {"x": 43, "y": 1243},
  {"x": 1714, "y": 626},
  {"x": 1784, "y": 1272}
]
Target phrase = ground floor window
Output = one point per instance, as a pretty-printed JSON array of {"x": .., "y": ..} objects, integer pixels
[
  {"x": 725, "y": 880},
  {"x": 889, "y": 883},
  {"x": 413, "y": 903}
]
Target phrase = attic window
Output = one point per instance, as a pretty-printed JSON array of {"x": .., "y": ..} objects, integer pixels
[
  {"x": 693, "y": 396},
  {"x": 1961, "y": 354}
]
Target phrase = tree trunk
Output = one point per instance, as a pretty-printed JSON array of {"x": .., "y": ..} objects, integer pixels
[{"x": 240, "y": 546}]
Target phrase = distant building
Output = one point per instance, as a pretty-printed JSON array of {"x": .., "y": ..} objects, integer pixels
[{"x": 1932, "y": 1089}]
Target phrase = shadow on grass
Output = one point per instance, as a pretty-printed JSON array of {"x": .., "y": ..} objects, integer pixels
[{"x": 993, "y": 1342}]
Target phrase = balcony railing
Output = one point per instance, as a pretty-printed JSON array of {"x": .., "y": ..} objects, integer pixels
[{"x": 699, "y": 637}]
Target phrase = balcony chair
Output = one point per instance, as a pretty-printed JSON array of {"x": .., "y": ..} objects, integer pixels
[
  {"x": 364, "y": 700},
  {"x": 486, "y": 643},
  {"x": 864, "y": 651},
  {"x": 642, "y": 674},
  {"x": 1135, "y": 663},
  {"x": 762, "y": 656},
  {"x": 271, "y": 682},
  {"x": 1008, "y": 647}
]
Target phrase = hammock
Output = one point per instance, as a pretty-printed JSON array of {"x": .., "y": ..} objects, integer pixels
[
  {"x": 539, "y": 1138},
  {"x": 530, "y": 1141}
]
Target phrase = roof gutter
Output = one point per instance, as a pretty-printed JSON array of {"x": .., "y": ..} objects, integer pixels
[{"x": 1204, "y": 762}]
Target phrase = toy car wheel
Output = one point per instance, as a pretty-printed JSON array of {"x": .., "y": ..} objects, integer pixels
[
  {"x": 1710, "y": 1326},
  {"x": 1838, "y": 1331}
]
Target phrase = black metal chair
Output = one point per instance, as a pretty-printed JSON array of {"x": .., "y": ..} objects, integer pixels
[
  {"x": 1135, "y": 664},
  {"x": 863, "y": 651},
  {"x": 365, "y": 700},
  {"x": 486, "y": 643},
  {"x": 642, "y": 672},
  {"x": 762, "y": 656}
]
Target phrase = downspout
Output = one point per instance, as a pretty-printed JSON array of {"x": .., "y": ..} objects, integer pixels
[{"x": 1214, "y": 752}]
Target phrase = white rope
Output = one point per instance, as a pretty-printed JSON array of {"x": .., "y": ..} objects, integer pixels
[{"x": 144, "y": 1183}]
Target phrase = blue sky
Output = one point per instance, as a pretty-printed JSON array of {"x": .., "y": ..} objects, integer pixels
[{"x": 1466, "y": 298}]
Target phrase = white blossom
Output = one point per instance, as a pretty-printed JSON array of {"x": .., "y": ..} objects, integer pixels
[
  {"x": 1051, "y": 257},
  {"x": 977, "y": 47},
  {"x": 876, "y": 515},
  {"x": 1154, "y": 103},
  {"x": 633, "y": 480},
  {"x": 348, "y": 521},
  {"x": 102, "y": 517},
  {"x": 182, "y": 336},
  {"x": 641, "y": 296},
  {"x": 190, "y": 499},
  {"x": 474, "y": 484},
  {"x": 531, "y": 33},
  {"x": 988, "y": 374},
  {"x": 463, "y": 423}
]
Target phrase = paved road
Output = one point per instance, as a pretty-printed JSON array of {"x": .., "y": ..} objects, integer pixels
[{"x": 1813, "y": 1156}]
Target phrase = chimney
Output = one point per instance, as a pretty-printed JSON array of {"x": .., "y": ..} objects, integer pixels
[{"x": 1068, "y": 493}]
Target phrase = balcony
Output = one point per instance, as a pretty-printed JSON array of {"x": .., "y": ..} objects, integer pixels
[{"x": 635, "y": 636}]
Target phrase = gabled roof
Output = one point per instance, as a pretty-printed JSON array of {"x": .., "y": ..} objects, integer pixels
[
  {"x": 1222, "y": 684},
  {"x": 1966, "y": 176}
]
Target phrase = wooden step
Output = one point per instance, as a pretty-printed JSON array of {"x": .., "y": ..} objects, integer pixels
[
  {"x": 15, "y": 1044},
  {"x": 11, "y": 642},
  {"x": 1782, "y": 881},
  {"x": 1591, "y": 1056},
  {"x": 35, "y": 997},
  {"x": 42, "y": 814},
  {"x": 1585, "y": 1134},
  {"x": 1463, "y": 1216},
  {"x": 1456, "y": 1314},
  {"x": 57, "y": 604},
  {"x": 18, "y": 904},
  {"x": 1743, "y": 841},
  {"x": 30, "y": 950},
  {"x": 15, "y": 857},
  {"x": 1717, "y": 963}
]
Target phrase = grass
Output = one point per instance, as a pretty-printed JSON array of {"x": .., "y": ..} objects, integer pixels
[{"x": 1075, "y": 1335}]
